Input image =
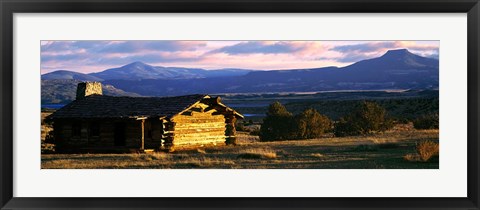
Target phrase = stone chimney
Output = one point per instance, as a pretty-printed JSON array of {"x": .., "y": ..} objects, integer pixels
[{"x": 88, "y": 88}]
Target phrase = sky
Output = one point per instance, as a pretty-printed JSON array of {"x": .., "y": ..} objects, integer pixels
[{"x": 94, "y": 56}]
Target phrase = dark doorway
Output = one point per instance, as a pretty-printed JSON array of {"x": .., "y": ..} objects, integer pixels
[{"x": 119, "y": 134}]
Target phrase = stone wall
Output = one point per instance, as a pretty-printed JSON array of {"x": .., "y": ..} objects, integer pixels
[{"x": 88, "y": 88}]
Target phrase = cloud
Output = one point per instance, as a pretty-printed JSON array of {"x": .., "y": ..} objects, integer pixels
[
  {"x": 116, "y": 53},
  {"x": 382, "y": 46},
  {"x": 120, "y": 46},
  {"x": 364, "y": 48},
  {"x": 260, "y": 62},
  {"x": 256, "y": 47},
  {"x": 164, "y": 46},
  {"x": 357, "y": 52},
  {"x": 268, "y": 47}
]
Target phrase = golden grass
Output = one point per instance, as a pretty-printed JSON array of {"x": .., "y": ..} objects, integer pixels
[
  {"x": 201, "y": 151},
  {"x": 317, "y": 155},
  {"x": 153, "y": 160},
  {"x": 150, "y": 156},
  {"x": 385, "y": 150},
  {"x": 258, "y": 153},
  {"x": 412, "y": 157},
  {"x": 205, "y": 162},
  {"x": 425, "y": 150}
]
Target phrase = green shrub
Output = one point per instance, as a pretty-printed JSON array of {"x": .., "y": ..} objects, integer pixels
[
  {"x": 426, "y": 122},
  {"x": 311, "y": 124},
  {"x": 345, "y": 128},
  {"x": 278, "y": 124},
  {"x": 367, "y": 118}
]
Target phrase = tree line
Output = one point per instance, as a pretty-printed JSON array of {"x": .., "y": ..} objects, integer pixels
[{"x": 365, "y": 118}]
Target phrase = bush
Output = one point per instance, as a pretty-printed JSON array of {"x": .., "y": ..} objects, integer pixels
[
  {"x": 278, "y": 124},
  {"x": 367, "y": 118},
  {"x": 345, "y": 128},
  {"x": 282, "y": 125},
  {"x": 426, "y": 122},
  {"x": 425, "y": 150},
  {"x": 311, "y": 124}
]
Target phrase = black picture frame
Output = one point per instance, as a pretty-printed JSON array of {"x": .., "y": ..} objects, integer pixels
[{"x": 10, "y": 7}]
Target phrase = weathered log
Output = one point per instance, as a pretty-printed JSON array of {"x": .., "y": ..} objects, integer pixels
[
  {"x": 230, "y": 130},
  {"x": 169, "y": 136},
  {"x": 212, "y": 125}
]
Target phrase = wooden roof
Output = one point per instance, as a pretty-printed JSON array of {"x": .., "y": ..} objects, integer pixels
[{"x": 102, "y": 106}]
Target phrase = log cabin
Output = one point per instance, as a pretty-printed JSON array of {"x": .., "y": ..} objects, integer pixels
[{"x": 99, "y": 123}]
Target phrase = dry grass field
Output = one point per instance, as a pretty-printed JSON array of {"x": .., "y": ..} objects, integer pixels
[{"x": 394, "y": 149}]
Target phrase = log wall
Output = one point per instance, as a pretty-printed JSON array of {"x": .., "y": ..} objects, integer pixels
[
  {"x": 197, "y": 127},
  {"x": 152, "y": 137}
]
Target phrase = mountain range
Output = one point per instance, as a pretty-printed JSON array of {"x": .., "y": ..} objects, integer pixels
[
  {"x": 396, "y": 69},
  {"x": 69, "y": 75},
  {"x": 138, "y": 71}
]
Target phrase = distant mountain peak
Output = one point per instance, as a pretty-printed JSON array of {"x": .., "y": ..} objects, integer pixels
[
  {"x": 401, "y": 50},
  {"x": 66, "y": 74},
  {"x": 398, "y": 52},
  {"x": 136, "y": 63},
  {"x": 62, "y": 71},
  {"x": 397, "y": 59}
]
